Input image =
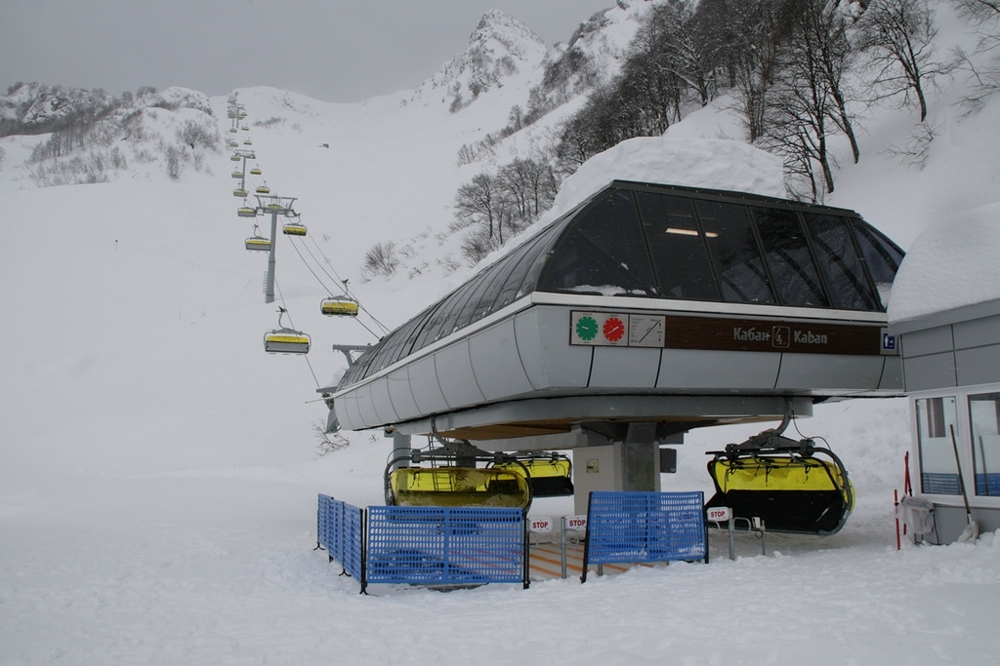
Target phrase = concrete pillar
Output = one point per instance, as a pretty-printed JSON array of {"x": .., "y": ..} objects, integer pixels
[
  {"x": 400, "y": 449},
  {"x": 630, "y": 465},
  {"x": 640, "y": 458}
]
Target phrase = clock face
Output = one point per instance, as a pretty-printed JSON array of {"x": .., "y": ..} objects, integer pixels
[
  {"x": 586, "y": 328},
  {"x": 614, "y": 329}
]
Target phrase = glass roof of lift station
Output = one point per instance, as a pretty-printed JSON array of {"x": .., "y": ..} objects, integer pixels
[{"x": 667, "y": 242}]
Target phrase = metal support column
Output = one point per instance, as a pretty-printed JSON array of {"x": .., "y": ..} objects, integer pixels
[
  {"x": 269, "y": 291},
  {"x": 640, "y": 465}
]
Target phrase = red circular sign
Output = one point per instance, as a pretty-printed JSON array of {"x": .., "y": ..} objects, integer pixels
[{"x": 614, "y": 329}]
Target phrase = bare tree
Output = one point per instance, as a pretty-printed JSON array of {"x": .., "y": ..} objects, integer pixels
[
  {"x": 677, "y": 42},
  {"x": 808, "y": 99},
  {"x": 528, "y": 187},
  {"x": 984, "y": 62},
  {"x": 380, "y": 259},
  {"x": 743, "y": 39},
  {"x": 479, "y": 203},
  {"x": 835, "y": 58},
  {"x": 980, "y": 8},
  {"x": 899, "y": 35},
  {"x": 591, "y": 131}
]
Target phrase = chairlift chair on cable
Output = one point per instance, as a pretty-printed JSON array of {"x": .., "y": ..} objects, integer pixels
[
  {"x": 233, "y": 144},
  {"x": 255, "y": 171},
  {"x": 247, "y": 142},
  {"x": 240, "y": 193},
  {"x": 246, "y": 211},
  {"x": 245, "y": 128},
  {"x": 294, "y": 229},
  {"x": 232, "y": 130},
  {"x": 238, "y": 174},
  {"x": 258, "y": 242},
  {"x": 263, "y": 189},
  {"x": 452, "y": 478},
  {"x": 283, "y": 340},
  {"x": 549, "y": 474},
  {"x": 235, "y": 158},
  {"x": 791, "y": 486},
  {"x": 342, "y": 306}
]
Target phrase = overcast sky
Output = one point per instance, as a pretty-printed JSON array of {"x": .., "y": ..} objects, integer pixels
[{"x": 334, "y": 50}]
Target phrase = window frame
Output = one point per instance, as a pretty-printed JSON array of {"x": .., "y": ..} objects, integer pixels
[{"x": 963, "y": 437}]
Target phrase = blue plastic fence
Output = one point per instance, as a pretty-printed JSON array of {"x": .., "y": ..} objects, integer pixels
[
  {"x": 637, "y": 527},
  {"x": 340, "y": 529},
  {"x": 425, "y": 545},
  {"x": 445, "y": 546}
]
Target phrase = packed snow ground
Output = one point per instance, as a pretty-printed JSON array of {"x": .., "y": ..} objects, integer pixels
[{"x": 158, "y": 471}]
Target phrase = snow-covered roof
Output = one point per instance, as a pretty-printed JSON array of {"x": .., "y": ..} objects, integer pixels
[
  {"x": 708, "y": 163},
  {"x": 951, "y": 272},
  {"x": 717, "y": 164}
]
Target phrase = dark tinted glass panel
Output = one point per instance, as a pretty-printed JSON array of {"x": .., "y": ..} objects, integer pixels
[
  {"x": 507, "y": 267},
  {"x": 359, "y": 370},
  {"x": 450, "y": 315},
  {"x": 734, "y": 252},
  {"x": 397, "y": 345},
  {"x": 441, "y": 318},
  {"x": 677, "y": 244},
  {"x": 388, "y": 349},
  {"x": 601, "y": 252},
  {"x": 534, "y": 263},
  {"x": 510, "y": 290},
  {"x": 881, "y": 256},
  {"x": 422, "y": 320},
  {"x": 786, "y": 248},
  {"x": 839, "y": 261},
  {"x": 481, "y": 293}
]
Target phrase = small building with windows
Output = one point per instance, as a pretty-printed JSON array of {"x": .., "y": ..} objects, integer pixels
[{"x": 945, "y": 312}]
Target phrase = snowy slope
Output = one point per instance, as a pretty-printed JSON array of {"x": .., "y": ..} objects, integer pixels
[{"x": 158, "y": 471}]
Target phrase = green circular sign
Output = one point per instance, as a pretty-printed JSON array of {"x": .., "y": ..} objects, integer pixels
[{"x": 586, "y": 328}]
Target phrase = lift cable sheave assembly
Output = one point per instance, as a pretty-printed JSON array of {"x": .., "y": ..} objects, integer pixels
[{"x": 791, "y": 486}]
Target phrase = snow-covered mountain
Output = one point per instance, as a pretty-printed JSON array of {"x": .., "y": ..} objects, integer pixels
[
  {"x": 81, "y": 136},
  {"x": 158, "y": 471},
  {"x": 499, "y": 48}
]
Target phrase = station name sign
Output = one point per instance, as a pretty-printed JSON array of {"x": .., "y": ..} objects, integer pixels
[{"x": 626, "y": 329}]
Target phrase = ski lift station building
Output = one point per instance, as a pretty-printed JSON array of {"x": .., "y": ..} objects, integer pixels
[
  {"x": 644, "y": 311},
  {"x": 945, "y": 310}
]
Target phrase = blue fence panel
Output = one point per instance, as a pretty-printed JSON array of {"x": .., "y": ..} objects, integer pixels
[
  {"x": 340, "y": 529},
  {"x": 940, "y": 484},
  {"x": 645, "y": 527},
  {"x": 322, "y": 521},
  {"x": 988, "y": 484},
  {"x": 676, "y": 524},
  {"x": 445, "y": 546},
  {"x": 352, "y": 545}
]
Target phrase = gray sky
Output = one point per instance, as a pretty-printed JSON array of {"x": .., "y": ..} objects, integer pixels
[{"x": 334, "y": 50}]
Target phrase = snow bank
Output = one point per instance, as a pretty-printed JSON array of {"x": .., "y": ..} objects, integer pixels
[
  {"x": 952, "y": 264},
  {"x": 710, "y": 163}
]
